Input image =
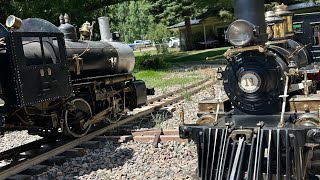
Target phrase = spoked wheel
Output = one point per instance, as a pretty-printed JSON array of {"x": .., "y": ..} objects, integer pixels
[{"x": 76, "y": 115}]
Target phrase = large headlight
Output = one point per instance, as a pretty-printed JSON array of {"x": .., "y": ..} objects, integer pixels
[
  {"x": 13, "y": 22},
  {"x": 240, "y": 33}
]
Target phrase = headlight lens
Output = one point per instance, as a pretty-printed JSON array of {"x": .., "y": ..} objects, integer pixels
[
  {"x": 240, "y": 33},
  {"x": 13, "y": 22}
]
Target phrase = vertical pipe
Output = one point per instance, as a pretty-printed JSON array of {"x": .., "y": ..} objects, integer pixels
[
  {"x": 104, "y": 27},
  {"x": 252, "y": 11}
]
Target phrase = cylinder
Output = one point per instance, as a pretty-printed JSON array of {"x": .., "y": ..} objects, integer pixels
[{"x": 104, "y": 27}]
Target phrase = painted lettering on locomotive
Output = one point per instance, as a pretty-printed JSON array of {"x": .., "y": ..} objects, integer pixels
[
  {"x": 268, "y": 126},
  {"x": 52, "y": 82}
]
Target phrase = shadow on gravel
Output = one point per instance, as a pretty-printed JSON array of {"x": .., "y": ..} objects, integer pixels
[{"x": 107, "y": 156}]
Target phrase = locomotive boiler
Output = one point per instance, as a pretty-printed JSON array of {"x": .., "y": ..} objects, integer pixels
[
  {"x": 268, "y": 126},
  {"x": 52, "y": 82}
]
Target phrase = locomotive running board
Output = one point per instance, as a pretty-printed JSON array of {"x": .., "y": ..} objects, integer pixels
[{"x": 275, "y": 153}]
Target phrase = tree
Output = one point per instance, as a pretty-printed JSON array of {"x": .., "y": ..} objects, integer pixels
[
  {"x": 132, "y": 19},
  {"x": 168, "y": 11},
  {"x": 157, "y": 32},
  {"x": 79, "y": 10}
]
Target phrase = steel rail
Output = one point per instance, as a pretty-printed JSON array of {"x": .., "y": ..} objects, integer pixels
[{"x": 56, "y": 151}]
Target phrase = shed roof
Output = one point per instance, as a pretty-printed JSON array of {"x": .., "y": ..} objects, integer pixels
[
  {"x": 182, "y": 24},
  {"x": 303, "y": 5}
]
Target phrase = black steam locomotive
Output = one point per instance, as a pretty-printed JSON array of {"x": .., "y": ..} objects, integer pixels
[
  {"x": 51, "y": 82},
  {"x": 268, "y": 127}
]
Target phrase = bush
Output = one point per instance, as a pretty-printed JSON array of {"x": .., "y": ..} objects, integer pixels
[
  {"x": 148, "y": 61},
  {"x": 162, "y": 48}
]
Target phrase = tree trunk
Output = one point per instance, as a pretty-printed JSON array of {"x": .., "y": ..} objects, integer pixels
[{"x": 189, "y": 42}]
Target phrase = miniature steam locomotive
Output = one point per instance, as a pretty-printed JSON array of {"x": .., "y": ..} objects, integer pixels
[
  {"x": 54, "y": 83},
  {"x": 268, "y": 126}
]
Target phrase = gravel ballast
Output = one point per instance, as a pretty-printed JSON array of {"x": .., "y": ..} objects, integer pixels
[
  {"x": 130, "y": 160},
  {"x": 15, "y": 138}
]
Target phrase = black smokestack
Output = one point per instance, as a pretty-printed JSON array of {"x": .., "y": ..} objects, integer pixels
[{"x": 252, "y": 11}]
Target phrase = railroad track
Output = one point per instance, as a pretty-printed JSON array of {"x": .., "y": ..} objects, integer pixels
[{"x": 55, "y": 147}]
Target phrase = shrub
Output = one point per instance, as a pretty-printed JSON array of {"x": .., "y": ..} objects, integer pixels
[
  {"x": 148, "y": 61},
  {"x": 162, "y": 48}
]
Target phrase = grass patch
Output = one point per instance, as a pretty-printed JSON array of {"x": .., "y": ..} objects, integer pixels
[
  {"x": 141, "y": 53},
  {"x": 164, "y": 79},
  {"x": 208, "y": 56}
]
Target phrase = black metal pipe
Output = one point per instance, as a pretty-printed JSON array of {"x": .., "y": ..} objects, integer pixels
[{"x": 252, "y": 11}]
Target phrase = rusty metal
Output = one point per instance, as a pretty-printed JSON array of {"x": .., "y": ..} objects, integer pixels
[
  {"x": 181, "y": 116},
  {"x": 210, "y": 105},
  {"x": 206, "y": 119},
  {"x": 77, "y": 60},
  {"x": 156, "y": 139},
  {"x": 307, "y": 120},
  {"x": 299, "y": 102},
  {"x": 305, "y": 83},
  {"x": 149, "y": 136},
  {"x": 236, "y": 134},
  {"x": 230, "y": 52}
]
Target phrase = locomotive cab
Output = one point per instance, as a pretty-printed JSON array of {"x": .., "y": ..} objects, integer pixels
[{"x": 34, "y": 68}]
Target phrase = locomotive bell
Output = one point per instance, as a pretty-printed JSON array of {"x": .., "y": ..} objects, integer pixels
[
  {"x": 85, "y": 29},
  {"x": 276, "y": 26},
  {"x": 282, "y": 11}
]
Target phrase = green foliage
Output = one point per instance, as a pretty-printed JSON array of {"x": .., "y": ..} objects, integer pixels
[
  {"x": 162, "y": 48},
  {"x": 148, "y": 61},
  {"x": 157, "y": 32},
  {"x": 187, "y": 95},
  {"x": 78, "y": 10},
  {"x": 132, "y": 19},
  {"x": 226, "y": 15}
]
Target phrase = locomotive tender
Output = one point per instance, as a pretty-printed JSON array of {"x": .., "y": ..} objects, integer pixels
[
  {"x": 52, "y": 82},
  {"x": 268, "y": 126}
]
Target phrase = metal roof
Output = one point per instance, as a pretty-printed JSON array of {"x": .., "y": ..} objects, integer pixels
[
  {"x": 303, "y": 5},
  {"x": 182, "y": 24}
]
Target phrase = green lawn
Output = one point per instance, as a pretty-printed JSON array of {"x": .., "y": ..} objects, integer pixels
[{"x": 163, "y": 79}]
